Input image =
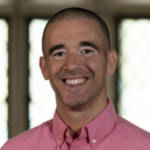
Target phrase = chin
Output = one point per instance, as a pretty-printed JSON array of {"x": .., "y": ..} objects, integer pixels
[{"x": 75, "y": 102}]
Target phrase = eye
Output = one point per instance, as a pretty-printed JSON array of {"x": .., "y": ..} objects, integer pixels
[
  {"x": 87, "y": 51},
  {"x": 59, "y": 54}
]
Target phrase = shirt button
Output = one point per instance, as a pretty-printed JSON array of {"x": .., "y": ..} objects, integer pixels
[
  {"x": 94, "y": 141},
  {"x": 66, "y": 134},
  {"x": 59, "y": 141}
]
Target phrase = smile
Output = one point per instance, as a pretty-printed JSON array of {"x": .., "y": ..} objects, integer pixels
[{"x": 75, "y": 81}]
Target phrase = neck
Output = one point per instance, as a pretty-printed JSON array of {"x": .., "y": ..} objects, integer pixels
[{"x": 77, "y": 117}]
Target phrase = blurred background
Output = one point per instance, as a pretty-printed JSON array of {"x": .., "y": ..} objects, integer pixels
[{"x": 27, "y": 100}]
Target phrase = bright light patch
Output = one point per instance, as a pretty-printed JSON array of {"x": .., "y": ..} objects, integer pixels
[
  {"x": 42, "y": 104},
  {"x": 134, "y": 71},
  {"x": 3, "y": 81}
]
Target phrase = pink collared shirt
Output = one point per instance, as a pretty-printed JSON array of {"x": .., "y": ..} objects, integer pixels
[{"x": 106, "y": 132}]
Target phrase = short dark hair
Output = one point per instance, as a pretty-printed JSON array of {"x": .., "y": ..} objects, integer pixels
[{"x": 76, "y": 13}]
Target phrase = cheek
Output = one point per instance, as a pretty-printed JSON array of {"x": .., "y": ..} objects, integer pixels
[
  {"x": 53, "y": 70},
  {"x": 53, "y": 76},
  {"x": 97, "y": 65}
]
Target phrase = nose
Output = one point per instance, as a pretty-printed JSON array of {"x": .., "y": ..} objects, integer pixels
[{"x": 73, "y": 62}]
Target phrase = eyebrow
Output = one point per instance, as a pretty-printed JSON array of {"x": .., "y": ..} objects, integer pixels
[
  {"x": 83, "y": 43},
  {"x": 57, "y": 47},
  {"x": 91, "y": 44}
]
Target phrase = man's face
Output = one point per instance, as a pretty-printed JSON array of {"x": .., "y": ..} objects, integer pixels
[{"x": 75, "y": 61}]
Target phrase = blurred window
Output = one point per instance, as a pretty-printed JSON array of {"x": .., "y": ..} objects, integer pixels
[
  {"x": 42, "y": 100},
  {"x": 58, "y": 2},
  {"x": 4, "y": 2},
  {"x": 134, "y": 71},
  {"x": 3, "y": 81}
]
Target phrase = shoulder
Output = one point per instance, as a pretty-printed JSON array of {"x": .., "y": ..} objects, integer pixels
[
  {"x": 130, "y": 128},
  {"x": 32, "y": 138},
  {"x": 132, "y": 135}
]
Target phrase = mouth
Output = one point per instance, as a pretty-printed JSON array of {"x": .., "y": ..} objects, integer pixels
[{"x": 74, "y": 82}]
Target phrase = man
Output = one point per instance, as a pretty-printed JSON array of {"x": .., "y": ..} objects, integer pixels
[{"x": 77, "y": 57}]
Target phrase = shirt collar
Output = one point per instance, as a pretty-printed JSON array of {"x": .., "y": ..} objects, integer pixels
[
  {"x": 102, "y": 125},
  {"x": 97, "y": 130},
  {"x": 58, "y": 129}
]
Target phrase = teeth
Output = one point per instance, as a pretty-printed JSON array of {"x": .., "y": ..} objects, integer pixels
[{"x": 75, "y": 81}]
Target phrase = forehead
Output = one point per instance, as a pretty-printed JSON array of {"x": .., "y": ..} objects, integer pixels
[{"x": 73, "y": 30}]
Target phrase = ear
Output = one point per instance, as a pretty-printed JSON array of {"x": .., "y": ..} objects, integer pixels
[
  {"x": 111, "y": 61},
  {"x": 43, "y": 67}
]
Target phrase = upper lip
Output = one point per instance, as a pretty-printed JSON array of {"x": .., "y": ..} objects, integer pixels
[{"x": 73, "y": 77}]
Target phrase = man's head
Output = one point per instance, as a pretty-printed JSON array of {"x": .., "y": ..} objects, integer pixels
[
  {"x": 77, "y": 58},
  {"x": 79, "y": 13}
]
